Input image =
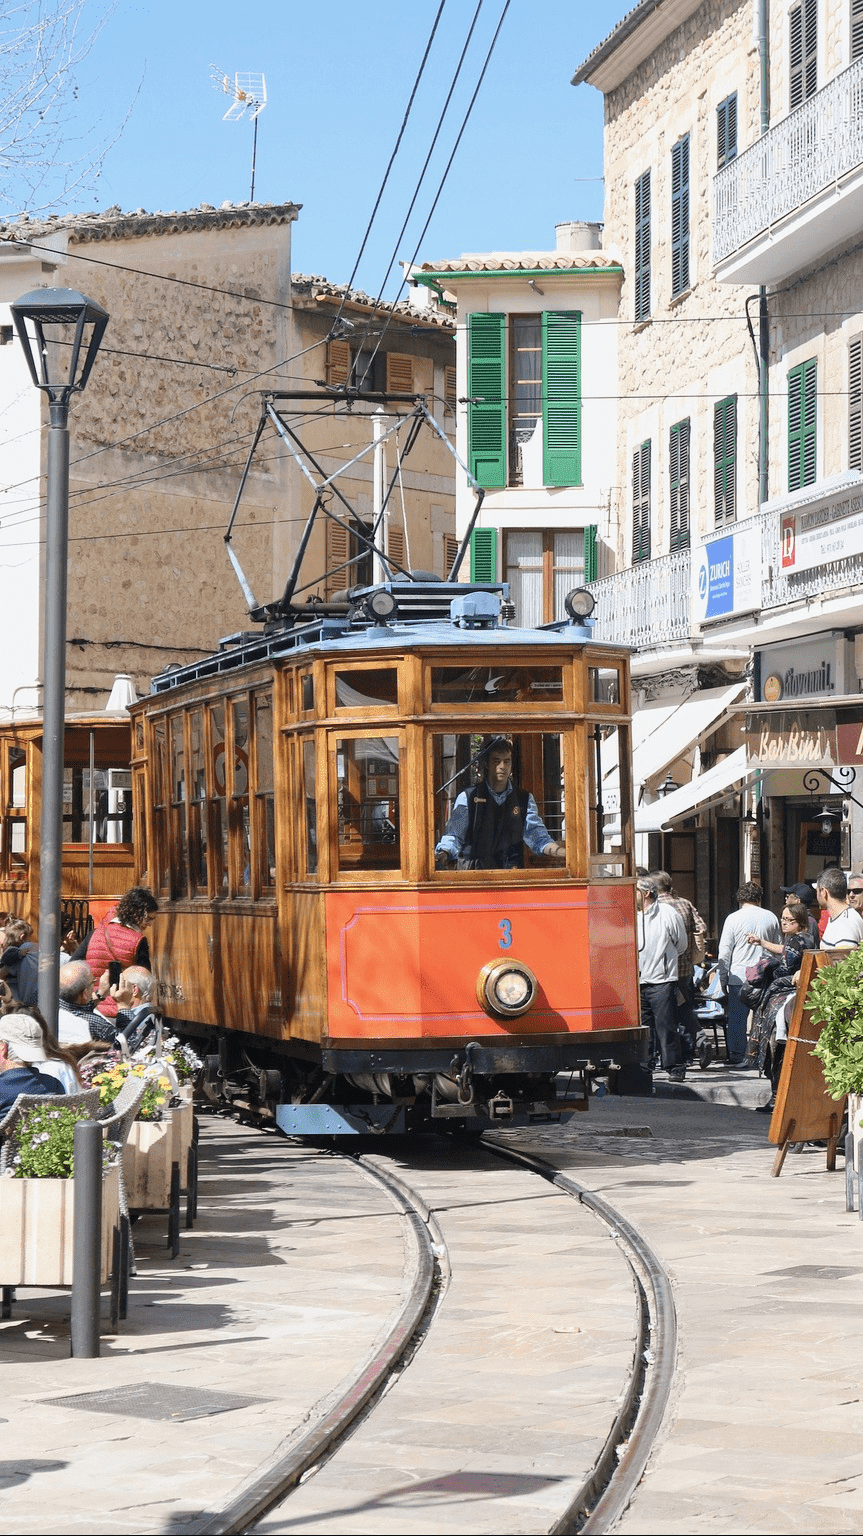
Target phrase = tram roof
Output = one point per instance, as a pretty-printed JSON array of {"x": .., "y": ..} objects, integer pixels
[{"x": 346, "y": 634}]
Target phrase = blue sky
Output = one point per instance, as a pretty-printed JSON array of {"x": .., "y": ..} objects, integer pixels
[{"x": 338, "y": 78}]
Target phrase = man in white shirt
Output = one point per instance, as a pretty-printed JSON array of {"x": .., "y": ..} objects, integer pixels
[
  {"x": 736, "y": 952},
  {"x": 845, "y": 925},
  {"x": 662, "y": 939}
]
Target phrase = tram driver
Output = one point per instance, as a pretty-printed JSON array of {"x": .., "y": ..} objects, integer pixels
[{"x": 491, "y": 822}]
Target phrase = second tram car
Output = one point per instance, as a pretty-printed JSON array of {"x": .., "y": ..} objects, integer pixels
[{"x": 348, "y": 963}]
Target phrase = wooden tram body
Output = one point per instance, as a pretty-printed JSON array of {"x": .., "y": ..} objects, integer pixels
[
  {"x": 98, "y": 857},
  {"x": 289, "y": 795}
]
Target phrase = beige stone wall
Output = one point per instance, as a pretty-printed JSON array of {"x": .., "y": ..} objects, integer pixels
[
  {"x": 695, "y": 349},
  {"x": 834, "y": 48}
]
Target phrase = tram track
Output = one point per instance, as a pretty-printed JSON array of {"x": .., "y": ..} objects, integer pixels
[{"x": 611, "y": 1483}]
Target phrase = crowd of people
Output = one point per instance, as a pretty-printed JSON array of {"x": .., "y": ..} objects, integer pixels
[
  {"x": 756, "y": 965},
  {"x": 107, "y": 1000}
]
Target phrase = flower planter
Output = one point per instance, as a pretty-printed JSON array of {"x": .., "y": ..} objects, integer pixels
[
  {"x": 37, "y": 1229},
  {"x": 147, "y": 1159},
  {"x": 182, "y": 1125}
]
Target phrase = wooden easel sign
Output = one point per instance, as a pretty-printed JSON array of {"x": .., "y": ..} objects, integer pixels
[{"x": 804, "y": 1109}]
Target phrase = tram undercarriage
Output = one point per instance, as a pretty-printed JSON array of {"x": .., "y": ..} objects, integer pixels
[{"x": 471, "y": 1087}]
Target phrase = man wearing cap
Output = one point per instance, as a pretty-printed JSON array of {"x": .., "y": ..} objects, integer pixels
[
  {"x": 806, "y": 894},
  {"x": 491, "y": 823},
  {"x": 21, "y": 1047}
]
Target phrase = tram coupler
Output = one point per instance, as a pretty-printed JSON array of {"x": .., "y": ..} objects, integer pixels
[{"x": 500, "y": 1107}]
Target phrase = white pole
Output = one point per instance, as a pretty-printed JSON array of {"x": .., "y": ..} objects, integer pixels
[{"x": 379, "y": 570}]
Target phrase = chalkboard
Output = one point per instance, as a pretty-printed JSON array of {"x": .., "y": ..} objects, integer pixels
[{"x": 804, "y": 1109}]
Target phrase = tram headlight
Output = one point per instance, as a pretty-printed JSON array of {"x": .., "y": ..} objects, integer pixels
[
  {"x": 381, "y": 605},
  {"x": 579, "y": 604},
  {"x": 506, "y": 988}
]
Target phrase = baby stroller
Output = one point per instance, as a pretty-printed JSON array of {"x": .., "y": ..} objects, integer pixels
[{"x": 711, "y": 1013}]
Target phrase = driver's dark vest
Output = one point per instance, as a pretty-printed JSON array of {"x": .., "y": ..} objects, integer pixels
[{"x": 495, "y": 833}]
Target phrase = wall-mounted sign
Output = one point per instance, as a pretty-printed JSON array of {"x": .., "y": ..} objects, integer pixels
[
  {"x": 726, "y": 575},
  {"x": 772, "y": 688},
  {"x": 822, "y": 533},
  {"x": 791, "y": 738},
  {"x": 802, "y": 669}
]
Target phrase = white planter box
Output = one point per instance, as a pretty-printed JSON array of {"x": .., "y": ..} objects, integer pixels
[
  {"x": 182, "y": 1124},
  {"x": 37, "y": 1229},
  {"x": 147, "y": 1159}
]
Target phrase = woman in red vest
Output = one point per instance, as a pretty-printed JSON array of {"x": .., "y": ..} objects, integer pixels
[{"x": 120, "y": 937}]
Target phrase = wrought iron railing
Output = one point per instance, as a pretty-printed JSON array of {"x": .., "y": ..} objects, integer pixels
[
  {"x": 647, "y": 604},
  {"x": 810, "y": 150}
]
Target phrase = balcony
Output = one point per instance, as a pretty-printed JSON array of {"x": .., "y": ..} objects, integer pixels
[
  {"x": 797, "y": 192},
  {"x": 647, "y": 605}
]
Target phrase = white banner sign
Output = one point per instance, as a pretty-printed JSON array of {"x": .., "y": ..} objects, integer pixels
[{"x": 821, "y": 534}]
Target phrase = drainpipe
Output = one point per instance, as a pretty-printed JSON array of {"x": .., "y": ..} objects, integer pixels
[{"x": 763, "y": 320}]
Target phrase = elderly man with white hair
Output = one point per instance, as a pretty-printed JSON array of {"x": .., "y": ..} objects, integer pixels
[
  {"x": 22, "y": 1053},
  {"x": 136, "y": 996},
  {"x": 75, "y": 1016}
]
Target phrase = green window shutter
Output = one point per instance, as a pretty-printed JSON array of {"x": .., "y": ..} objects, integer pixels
[
  {"x": 483, "y": 554},
  {"x": 855, "y": 403},
  {"x": 642, "y": 247},
  {"x": 678, "y": 474},
  {"x": 680, "y": 216},
  {"x": 724, "y": 459},
  {"x": 802, "y": 410},
  {"x": 591, "y": 552},
  {"x": 726, "y": 131},
  {"x": 641, "y": 503},
  {"x": 486, "y": 386},
  {"x": 561, "y": 397}
]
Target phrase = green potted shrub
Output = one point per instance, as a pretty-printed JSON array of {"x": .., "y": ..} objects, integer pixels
[{"x": 836, "y": 1002}]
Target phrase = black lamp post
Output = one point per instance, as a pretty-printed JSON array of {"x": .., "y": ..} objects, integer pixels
[{"x": 60, "y": 332}]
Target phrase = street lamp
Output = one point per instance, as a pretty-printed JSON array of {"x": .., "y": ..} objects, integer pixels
[{"x": 60, "y": 332}]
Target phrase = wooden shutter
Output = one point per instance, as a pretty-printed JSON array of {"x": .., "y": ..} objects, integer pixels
[
  {"x": 642, "y": 247},
  {"x": 561, "y": 397},
  {"x": 450, "y": 550},
  {"x": 680, "y": 216},
  {"x": 679, "y": 484},
  {"x": 338, "y": 362},
  {"x": 400, "y": 374},
  {"x": 449, "y": 395},
  {"x": 487, "y": 408},
  {"x": 803, "y": 59},
  {"x": 483, "y": 554},
  {"x": 591, "y": 552},
  {"x": 396, "y": 546},
  {"x": 802, "y": 440},
  {"x": 725, "y": 459},
  {"x": 856, "y": 29},
  {"x": 726, "y": 130},
  {"x": 641, "y": 503},
  {"x": 855, "y": 403},
  {"x": 339, "y": 574}
]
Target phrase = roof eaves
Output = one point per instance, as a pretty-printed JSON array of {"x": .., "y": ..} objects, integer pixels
[{"x": 615, "y": 59}]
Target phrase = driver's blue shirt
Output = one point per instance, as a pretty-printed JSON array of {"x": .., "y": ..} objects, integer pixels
[{"x": 536, "y": 835}]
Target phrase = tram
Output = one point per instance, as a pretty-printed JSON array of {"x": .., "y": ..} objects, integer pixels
[
  {"x": 98, "y": 857},
  {"x": 293, "y": 794}
]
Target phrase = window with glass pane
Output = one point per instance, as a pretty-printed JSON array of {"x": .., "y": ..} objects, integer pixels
[
  {"x": 525, "y": 393},
  {"x": 307, "y": 692},
  {"x": 265, "y": 812},
  {"x": 197, "y": 804},
  {"x": 542, "y": 565},
  {"x": 608, "y": 798},
  {"x": 142, "y": 852},
  {"x": 161, "y": 791},
  {"x": 239, "y": 814},
  {"x": 180, "y": 860},
  {"x": 368, "y": 797},
  {"x": 366, "y": 687},
  {"x": 218, "y": 839},
  {"x": 496, "y": 683},
  {"x": 310, "y": 806},
  {"x": 482, "y": 820},
  {"x": 604, "y": 685}
]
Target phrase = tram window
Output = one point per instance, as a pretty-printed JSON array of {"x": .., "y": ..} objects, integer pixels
[
  {"x": 18, "y": 777},
  {"x": 141, "y": 848},
  {"x": 265, "y": 792},
  {"x": 609, "y": 799},
  {"x": 496, "y": 684},
  {"x": 465, "y": 834},
  {"x": 368, "y": 797},
  {"x": 218, "y": 805},
  {"x": 180, "y": 850},
  {"x": 106, "y": 817},
  {"x": 307, "y": 691},
  {"x": 604, "y": 685},
  {"x": 161, "y": 786},
  {"x": 197, "y": 804},
  {"x": 239, "y": 817},
  {"x": 311, "y": 807},
  {"x": 366, "y": 687}
]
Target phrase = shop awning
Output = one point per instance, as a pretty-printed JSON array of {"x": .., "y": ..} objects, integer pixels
[
  {"x": 678, "y": 729},
  {"x": 697, "y": 794}
]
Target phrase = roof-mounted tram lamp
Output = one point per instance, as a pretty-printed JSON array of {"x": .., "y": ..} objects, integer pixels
[
  {"x": 60, "y": 333},
  {"x": 579, "y": 605}
]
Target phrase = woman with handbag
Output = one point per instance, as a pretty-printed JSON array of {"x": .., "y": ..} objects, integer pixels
[{"x": 764, "y": 1047}]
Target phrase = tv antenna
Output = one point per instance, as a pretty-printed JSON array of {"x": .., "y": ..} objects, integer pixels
[{"x": 248, "y": 98}]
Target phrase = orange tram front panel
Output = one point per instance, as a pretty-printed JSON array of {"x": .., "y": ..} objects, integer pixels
[{"x": 404, "y": 966}]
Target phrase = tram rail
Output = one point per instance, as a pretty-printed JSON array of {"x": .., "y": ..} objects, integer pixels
[{"x": 612, "y": 1482}]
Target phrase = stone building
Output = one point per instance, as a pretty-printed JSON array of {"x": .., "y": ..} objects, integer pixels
[
  {"x": 734, "y": 189},
  {"x": 204, "y": 315},
  {"x": 535, "y": 388}
]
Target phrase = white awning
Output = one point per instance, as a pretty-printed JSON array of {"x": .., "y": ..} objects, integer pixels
[
  {"x": 678, "y": 729},
  {"x": 713, "y": 785}
]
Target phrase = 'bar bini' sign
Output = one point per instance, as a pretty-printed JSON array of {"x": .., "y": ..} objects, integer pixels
[{"x": 726, "y": 575}]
